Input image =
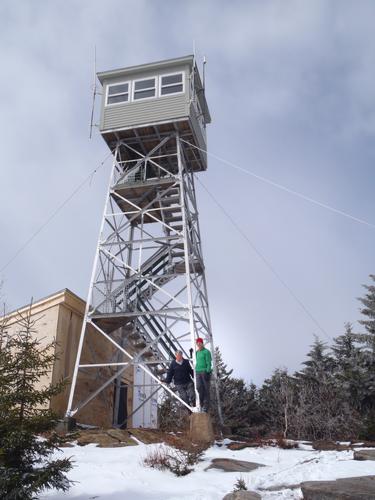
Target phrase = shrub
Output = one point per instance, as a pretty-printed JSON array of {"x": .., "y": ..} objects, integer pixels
[
  {"x": 240, "y": 485},
  {"x": 286, "y": 444},
  {"x": 172, "y": 416},
  {"x": 177, "y": 460}
]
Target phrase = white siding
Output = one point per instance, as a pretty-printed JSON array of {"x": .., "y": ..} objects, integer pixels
[
  {"x": 158, "y": 109},
  {"x": 142, "y": 112}
]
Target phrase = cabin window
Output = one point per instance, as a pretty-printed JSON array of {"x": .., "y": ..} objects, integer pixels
[
  {"x": 144, "y": 89},
  {"x": 171, "y": 84},
  {"x": 118, "y": 93}
]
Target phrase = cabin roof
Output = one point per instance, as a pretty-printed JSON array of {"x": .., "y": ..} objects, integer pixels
[{"x": 103, "y": 75}]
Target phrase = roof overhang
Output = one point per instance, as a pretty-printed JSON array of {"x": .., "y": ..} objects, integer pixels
[{"x": 104, "y": 75}]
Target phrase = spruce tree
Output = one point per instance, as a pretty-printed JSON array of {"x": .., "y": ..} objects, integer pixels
[
  {"x": 238, "y": 400},
  {"x": 367, "y": 339},
  {"x": 277, "y": 402},
  {"x": 319, "y": 364},
  {"x": 323, "y": 405},
  {"x": 368, "y": 310},
  {"x": 26, "y": 467},
  {"x": 350, "y": 369}
]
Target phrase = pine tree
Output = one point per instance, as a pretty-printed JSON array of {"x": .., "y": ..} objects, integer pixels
[
  {"x": 349, "y": 367},
  {"x": 319, "y": 364},
  {"x": 26, "y": 468},
  {"x": 368, "y": 301},
  {"x": 323, "y": 406},
  {"x": 238, "y": 399},
  {"x": 367, "y": 340},
  {"x": 277, "y": 400}
]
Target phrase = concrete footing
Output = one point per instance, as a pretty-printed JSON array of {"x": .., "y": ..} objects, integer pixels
[
  {"x": 201, "y": 430},
  {"x": 66, "y": 425}
]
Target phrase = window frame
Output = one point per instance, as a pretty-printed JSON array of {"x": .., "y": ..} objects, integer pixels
[
  {"x": 120, "y": 93},
  {"x": 172, "y": 84},
  {"x": 154, "y": 77},
  {"x": 132, "y": 90}
]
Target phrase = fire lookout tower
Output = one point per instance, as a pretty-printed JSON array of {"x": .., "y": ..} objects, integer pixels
[{"x": 148, "y": 295}]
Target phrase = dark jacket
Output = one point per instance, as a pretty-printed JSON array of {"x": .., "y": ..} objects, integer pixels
[{"x": 182, "y": 374}]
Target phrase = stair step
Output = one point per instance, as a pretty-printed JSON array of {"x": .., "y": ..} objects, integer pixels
[
  {"x": 181, "y": 269},
  {"x": 169, "y": 200},
  {"x": 178, "y": 254},
  {"x": 173, "y": 219},
  {"x": 170, "y": 208}
]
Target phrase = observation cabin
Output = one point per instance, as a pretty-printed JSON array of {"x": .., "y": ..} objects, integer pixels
[{"x": 143, "y": 104}]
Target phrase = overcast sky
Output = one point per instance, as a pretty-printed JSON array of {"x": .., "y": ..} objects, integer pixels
[{"x": 291, "y": 90}]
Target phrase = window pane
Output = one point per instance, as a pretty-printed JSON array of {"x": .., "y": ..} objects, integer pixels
[
  {"x": 118, "y": 89},
  {"x": 144, "y": 93},
  {"x": 145, "y": 84},
  {"x": 117, "y": 98},
  {"x": 167, "y": 80},
  {"x": 172, "y": 89}
]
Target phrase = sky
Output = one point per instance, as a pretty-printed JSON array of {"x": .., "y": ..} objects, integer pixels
[{"x": 291, "y": 90}]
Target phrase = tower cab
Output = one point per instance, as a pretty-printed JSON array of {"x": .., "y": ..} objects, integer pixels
[{"x": 143, "y": 104}]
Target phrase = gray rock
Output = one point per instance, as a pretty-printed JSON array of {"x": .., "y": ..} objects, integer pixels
[
  {"x": 231, "y": 465},
  {"x": 242, "y": 495},
  {"x": 351, "y": 488},
  {"x": 364, "y": 455}
]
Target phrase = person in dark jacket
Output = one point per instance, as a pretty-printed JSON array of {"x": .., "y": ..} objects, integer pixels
[{"x": 181, "y": 372}]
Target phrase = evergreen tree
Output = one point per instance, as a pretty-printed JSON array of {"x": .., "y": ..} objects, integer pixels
[
  {"x": 367, "y": 340},
  {"x": 349, "y": 367},
  {"x": 323, "y": 407},
  {"x": 26, "y": 468},
  {"x": 368, "y": 310},
  {"x": 238, "y": 400},
  {"x": 277, "y": 402},
  {"x": 319, "y": 364}
]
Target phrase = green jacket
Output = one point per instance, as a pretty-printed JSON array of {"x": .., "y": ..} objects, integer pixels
[{"x": 203, "y": 361}]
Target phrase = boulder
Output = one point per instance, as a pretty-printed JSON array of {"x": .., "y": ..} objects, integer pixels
[
  {"x": 112, "y": 438},
  {"x": 231, "y": 465},
  {"x": 147, "y": 436},
  {"x": 326, "y": 445},
  {"x": 242, "y": 495},
  {"x": 364, "y": 455},
  {"x": 351, "y": 488},
  {"x": 361, "y": 444},
  {"x": 241, "y": 445}
]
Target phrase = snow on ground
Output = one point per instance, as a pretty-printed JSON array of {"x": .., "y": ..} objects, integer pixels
[{"x": 118, "y": 473}]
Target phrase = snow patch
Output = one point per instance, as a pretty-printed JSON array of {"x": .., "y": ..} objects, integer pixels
[{"x": 118, "y": 473}]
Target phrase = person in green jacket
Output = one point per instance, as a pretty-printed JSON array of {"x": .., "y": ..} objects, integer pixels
[{"x": 203, "y": 371}]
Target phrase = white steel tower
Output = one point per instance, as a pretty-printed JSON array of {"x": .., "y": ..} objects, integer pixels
[{"x": 148, "y": 294}]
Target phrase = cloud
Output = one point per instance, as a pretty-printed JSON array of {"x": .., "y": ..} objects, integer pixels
[{"x": 291, "y": 90}]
